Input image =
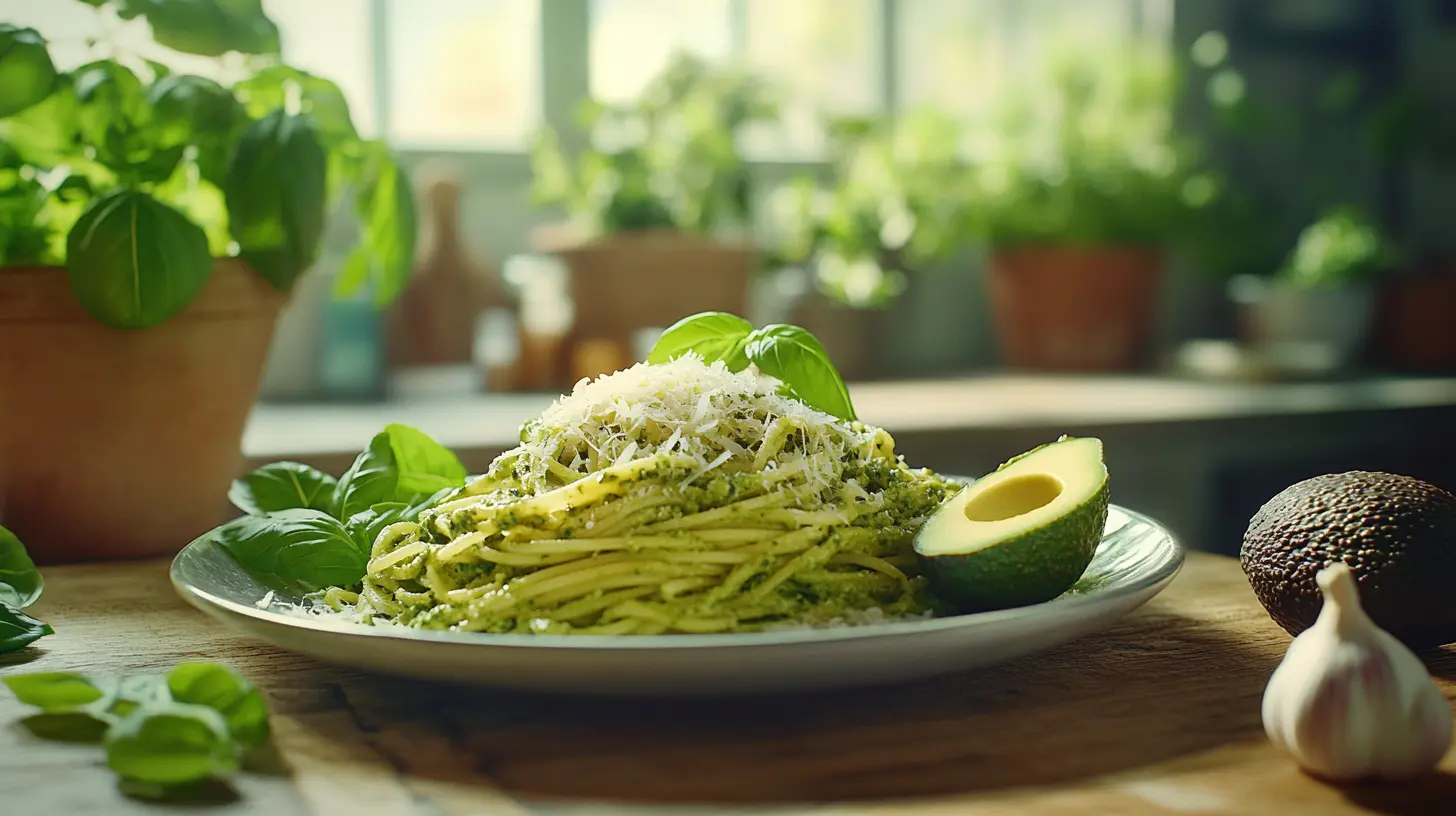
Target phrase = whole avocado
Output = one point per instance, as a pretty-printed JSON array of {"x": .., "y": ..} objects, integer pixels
[{"x": 1397, "y": 534}]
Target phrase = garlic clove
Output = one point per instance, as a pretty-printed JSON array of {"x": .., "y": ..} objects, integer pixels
[{"x": 1349, "y": 701}]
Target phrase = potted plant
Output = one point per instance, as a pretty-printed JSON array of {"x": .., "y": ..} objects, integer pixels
[
  {"x": 1316, "y": 311},
  {"x": 659, "y": 203},
  {"x": 1077, "y": 188},
  {"x": 152, "y": 225},
  {"x": 894, "y": 207}
]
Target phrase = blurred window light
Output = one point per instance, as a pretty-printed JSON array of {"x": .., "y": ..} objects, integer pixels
[
  {"x": 463, "y": 73},
  {"x": 632, "y": 40},
  {"x": 332, "y": 39},
  {"x": 826, "y": 56},
  {"x": 964, "y": 56}
]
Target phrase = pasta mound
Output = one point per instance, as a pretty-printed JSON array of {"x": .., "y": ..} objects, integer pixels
[{"x": 672, "y": 498}]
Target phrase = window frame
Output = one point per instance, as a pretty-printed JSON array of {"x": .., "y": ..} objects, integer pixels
[{"x": 564, "y": 33}]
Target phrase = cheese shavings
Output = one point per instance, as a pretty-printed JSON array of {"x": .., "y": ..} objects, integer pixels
[{"x": 719, "y": 420}]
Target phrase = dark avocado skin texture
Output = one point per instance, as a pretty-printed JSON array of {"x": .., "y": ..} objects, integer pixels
[{"x": 1398, "y": 535}]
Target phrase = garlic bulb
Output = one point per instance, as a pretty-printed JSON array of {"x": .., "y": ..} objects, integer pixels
[{"x": 1349, "y": 701}]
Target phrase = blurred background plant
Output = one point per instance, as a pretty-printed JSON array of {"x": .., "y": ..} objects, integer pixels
[
  {"x": 667, "y": 160},
  {"x": 179, "y": 168},
  {"x": 896, "y": 205}
]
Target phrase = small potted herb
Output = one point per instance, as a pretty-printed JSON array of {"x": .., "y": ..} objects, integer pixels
[
  {"x": 1321, "y": 301},
  {"x": 659, "y": 204},
  {"x": 1078, "y": 189},
  {"x": 895, "y": 207},
  {"x": 152, "y": 225}
]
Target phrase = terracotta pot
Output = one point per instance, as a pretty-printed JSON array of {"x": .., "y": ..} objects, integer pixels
[
  {"x": 121, "y": 444},
  {"x": 1074, "y": 309},
  {"x": 1416, "y": 323},
  {"x": 626, "y": 282}
]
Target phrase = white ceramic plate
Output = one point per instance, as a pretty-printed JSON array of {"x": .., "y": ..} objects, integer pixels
[{"x": 1137, "y": 558}]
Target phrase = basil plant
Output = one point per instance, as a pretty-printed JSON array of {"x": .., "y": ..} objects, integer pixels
[{"x": 136, "y": 177}]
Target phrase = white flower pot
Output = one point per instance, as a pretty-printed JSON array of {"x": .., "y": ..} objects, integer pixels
[{"x": 1322, "y": 328}]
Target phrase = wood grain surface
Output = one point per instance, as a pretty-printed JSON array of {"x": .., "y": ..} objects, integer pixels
[{"x": 1158, "y": 715}]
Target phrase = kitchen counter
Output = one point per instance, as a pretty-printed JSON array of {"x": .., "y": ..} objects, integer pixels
[{"x": 1157, "y": 715}]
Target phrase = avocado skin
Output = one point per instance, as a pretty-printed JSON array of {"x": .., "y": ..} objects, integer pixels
[
  {"x": 1030, "y": 569},
  {"x": 1398, "y": 534}
]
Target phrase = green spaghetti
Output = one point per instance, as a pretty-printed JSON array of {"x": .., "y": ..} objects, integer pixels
[{"x": 670, "y": 498}]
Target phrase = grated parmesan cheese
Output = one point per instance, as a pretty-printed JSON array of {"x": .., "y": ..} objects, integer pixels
[{"x": 700, "y": 412}]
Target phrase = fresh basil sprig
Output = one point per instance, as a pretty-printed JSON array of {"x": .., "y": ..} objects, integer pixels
[
  {"x": 20, "y": 586},
  {"x": 160, "y": 731},
  {"x": 305, "y": 530},
  {"x": 284, "y": 486},
  {"x": 789, "y": 354}
]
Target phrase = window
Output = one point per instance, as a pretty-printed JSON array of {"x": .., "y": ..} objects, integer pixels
[
  {"x": 77, "y": 33},
  {"x": 826, "y": 56},
  {"x": 952, "y": 55},
  {"x": 463, "y": 73},
  {"x": 631, "y": 40},
  {"x": 332, "y": 38}
]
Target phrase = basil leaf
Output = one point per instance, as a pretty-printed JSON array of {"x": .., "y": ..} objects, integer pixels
[
  {"x": 308, "y": 549},
  {"x": 131, "y": 693},
  {"x": 370, "y": 480},
  {"x": 401, "y": 464},
  {"x": 18, "y": 630},
  {"x": 226, "y": 692},
  {"x": 67, "y": 726},
  {"x": 276, "y": 190},
  {"x": 387, "y": 213},
  {"x": 283, "y": 486},
  {"x": 207, "y": 28},
  {"x": 53, "y": 691},
  {"x": 27, "y": 74},
  {"x": 794, "y": 357},
  {"x": 171, "y": 744},
  {"x": 321, "y": 100},
  {"x": 190, "y": 109},
  {"x": 20, "y": 581},
  {"x": 135, "y": 262},
  {"x": 425, "y": 466},
  {"x": 712, "y": 335}
]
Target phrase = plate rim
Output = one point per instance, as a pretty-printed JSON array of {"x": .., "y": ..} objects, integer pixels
[{"x": 1168, "y": 563}]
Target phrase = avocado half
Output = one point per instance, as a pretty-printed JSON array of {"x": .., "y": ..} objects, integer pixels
[{"x": 1021, "y": 535}]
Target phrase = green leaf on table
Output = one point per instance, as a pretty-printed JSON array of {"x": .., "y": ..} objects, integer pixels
[
  {"x": 171, "y": 744},
  {"x": 283, "y": 486},
  {"x": 712, "y": 335},
  {"x": 67, "y": 726},
  {"x": 276, "y": 189},
  {"x": 134, "y": 262},
  {"x": 130, "y": 693},
  {"x": 401, "y": 464},
  {"x": 20, "y": 581},
  {"x": 308, "y": 549},
  {"x": 53, "y": 691},
  {"x": 795, "y": 357},
  {"x": 227, "y": 693},
  {"x": 18, "y": 630},
  {"x": 27, "y": 75}
]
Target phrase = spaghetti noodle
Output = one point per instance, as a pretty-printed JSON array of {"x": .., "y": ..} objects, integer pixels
[{"x": 674, "y": 498}]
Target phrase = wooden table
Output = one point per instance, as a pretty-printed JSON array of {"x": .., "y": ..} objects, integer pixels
[{"x": 1159, "y": 715}]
